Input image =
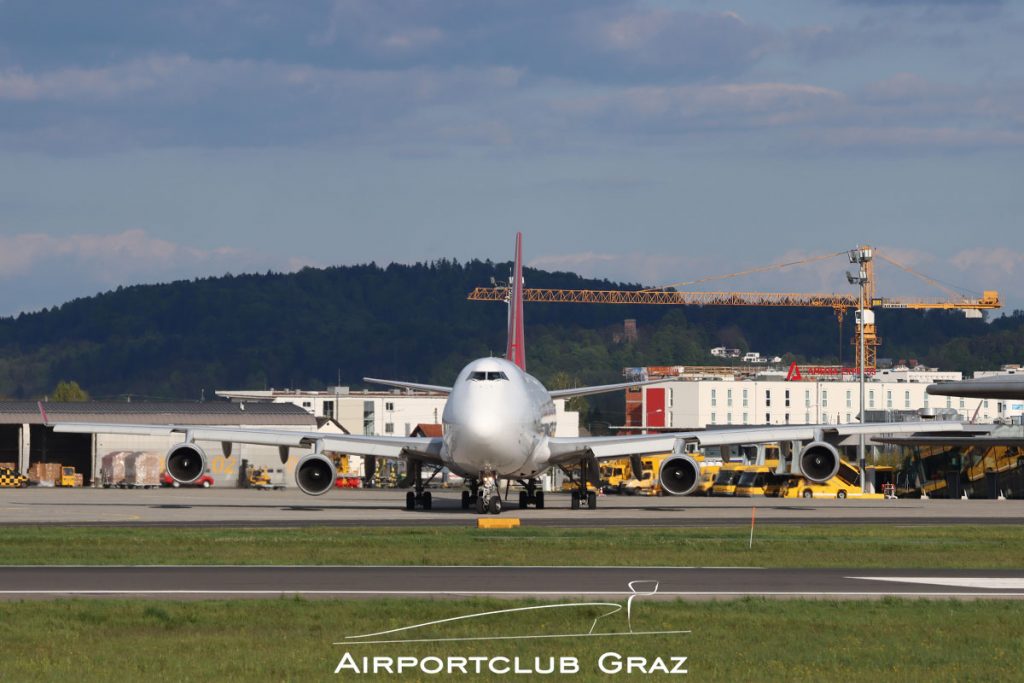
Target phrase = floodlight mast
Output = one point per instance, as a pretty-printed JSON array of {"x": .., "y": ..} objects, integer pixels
[{"x": 861, "y": 256}]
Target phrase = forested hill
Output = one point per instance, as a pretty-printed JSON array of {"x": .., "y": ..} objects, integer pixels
[{"x": 413, "y": 322}]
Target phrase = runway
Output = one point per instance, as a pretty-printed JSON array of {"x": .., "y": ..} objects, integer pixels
[
  {"x": 195, "y": 582},
  {"x": 290, "y": 508}
]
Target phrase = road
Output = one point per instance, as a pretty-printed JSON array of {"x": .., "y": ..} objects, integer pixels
[
  {"x": 239, "y": 507},
  {"x": 194, "y": 582}
]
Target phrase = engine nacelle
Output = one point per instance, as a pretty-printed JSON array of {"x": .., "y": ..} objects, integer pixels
[
  {"x": 186, "y": 462},
  {"x": 315, "y": 474},
  {"x": 679, "y": 475},
  {"x": 819, "y": 461}
]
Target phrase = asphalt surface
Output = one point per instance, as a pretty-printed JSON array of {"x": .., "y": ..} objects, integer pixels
[
  {"x": 290, "y": 508},
  {"x": 194, "y": 582}
]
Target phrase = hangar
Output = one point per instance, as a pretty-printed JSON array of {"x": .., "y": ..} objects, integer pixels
[{"x": 25, "y": 439}]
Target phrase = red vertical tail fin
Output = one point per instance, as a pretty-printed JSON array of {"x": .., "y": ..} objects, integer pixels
[{"x": 516, "y": 349}]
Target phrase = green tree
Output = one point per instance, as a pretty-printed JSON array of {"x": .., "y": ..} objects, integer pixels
[{"x": 69, "y": 391}]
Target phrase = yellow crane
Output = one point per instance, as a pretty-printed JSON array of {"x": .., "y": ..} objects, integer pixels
[{"x": 839, "y": 303}]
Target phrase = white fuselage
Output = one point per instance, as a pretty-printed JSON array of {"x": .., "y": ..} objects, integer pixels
[{"x": 497, "y": 421}]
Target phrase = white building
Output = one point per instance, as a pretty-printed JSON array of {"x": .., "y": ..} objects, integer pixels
[
  {"x": 380, "y": 413},
  {"x": 688, "y": 404}
]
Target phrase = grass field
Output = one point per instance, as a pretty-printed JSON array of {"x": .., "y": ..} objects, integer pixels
[
  {"x": 867, "y": 546},
  {"x": 288, "y": 639}
]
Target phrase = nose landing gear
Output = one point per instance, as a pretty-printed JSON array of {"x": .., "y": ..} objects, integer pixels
[{"x": 486, "y": 494}]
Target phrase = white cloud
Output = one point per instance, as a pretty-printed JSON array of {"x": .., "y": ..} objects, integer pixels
[{"x": 109, "y": 256}]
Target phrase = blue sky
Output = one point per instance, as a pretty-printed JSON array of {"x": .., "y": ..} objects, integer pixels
[{"x": 639, "y": 140}]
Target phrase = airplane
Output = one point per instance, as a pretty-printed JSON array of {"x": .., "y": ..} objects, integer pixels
[{"x": 498, "y": 425}]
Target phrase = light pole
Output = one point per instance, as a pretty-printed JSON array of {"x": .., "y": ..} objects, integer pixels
[{"x": 861, "y": 256}]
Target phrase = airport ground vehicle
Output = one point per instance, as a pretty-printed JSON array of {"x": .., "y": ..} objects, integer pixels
[
  {"x": 798, "y": 487},
  {"x": 259, "y": 478},
  {"x": 67, "y": 478},
  {"x": 12, "y": 479},
  {"x": 726, "y": 480},
  {"x": 205, "y": 481},
  {"x": 614, "y": 475},
  {"x": 755, "y": 479}
]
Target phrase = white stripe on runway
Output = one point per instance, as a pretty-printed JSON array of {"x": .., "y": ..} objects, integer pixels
[
  {"x": 524, "y": 594},
  {"x": 995, "y": 583}
]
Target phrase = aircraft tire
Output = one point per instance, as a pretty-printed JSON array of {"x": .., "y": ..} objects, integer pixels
[
  {"x": 465, "y": 500},
  {"x": 808, "y": 493},
  {"x": 574, "y": 501},
  {"x": 481, "y": 505},
  {"x": 495, "y": 505},
  {"x": 410, "y": 501},
  {"x": 524, "y": 500},
  {"x": 592, "y": 500},
  {"x": 539, "y": 500},
  {"x": 427, "y": 501}
]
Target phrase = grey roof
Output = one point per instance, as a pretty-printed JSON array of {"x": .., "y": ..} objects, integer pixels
[{"x": 223, "y": 413}]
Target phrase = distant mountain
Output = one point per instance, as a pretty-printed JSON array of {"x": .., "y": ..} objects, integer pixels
[{"x": 305, "y": 329}]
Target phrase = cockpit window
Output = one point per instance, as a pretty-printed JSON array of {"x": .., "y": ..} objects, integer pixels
[{"x": 487, "y": 376}]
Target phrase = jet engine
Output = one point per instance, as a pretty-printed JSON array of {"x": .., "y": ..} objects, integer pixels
[
  {"x": 186, "y": 462},
  {"x": 819, "y": 461},
  {"x": 315, "y": 474},
  {"x": 679, "y": 475}
]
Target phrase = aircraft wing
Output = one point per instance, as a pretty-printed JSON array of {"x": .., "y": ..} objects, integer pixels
[
  {"x": 565, "y": 450},
  {"x": 415, "y": 386},
  {"x": 601, "y": 388},
  {"x": 420, "y": 448}
]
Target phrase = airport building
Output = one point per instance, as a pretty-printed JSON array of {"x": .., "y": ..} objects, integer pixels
[{"x": 726, "y": 399}]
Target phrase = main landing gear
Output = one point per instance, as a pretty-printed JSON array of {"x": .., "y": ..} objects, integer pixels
[
  {"x": 419, "y": 497},
  {"x": 581, "y": 494},
  {"x": 531, "y": 496}
]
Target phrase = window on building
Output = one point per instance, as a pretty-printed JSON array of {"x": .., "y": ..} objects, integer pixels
[
  {"x": 728, "y": 398},
  {"x": 768, "y": 398},
  {"x": 848, "y": 418},
  {"x": 728, "y": 418},
  {"x": 329, "y": 409},
  {"x": 849, "y": 399},
  {"x": 787, "y": 400},
  {"x": 807, "y": 399},
  {"x": 888, "y": 399},
  {"x": 961, "y": 403},
  {"x": 744, "y": 398},
  {"x": 787, "y": 418},
  {"x": 871, "y": 399},
  {"x": 768, "y": 418},
  {"x": 745, "y": 420},
  {"x": 949, "y": 402},
  {"x": 368, "y": 417},
  {"x": 389, "y": 427},
  {"x": 714, "y": 398},
  {"x": 307, "y": 404},
  {"x": 389, "y": 406},
  {"x": 714, "y": 418},
  {"x": 824, "y": 398},
  {"x": 807, "y": 418},
  {"x": 906, "y": 399}
]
